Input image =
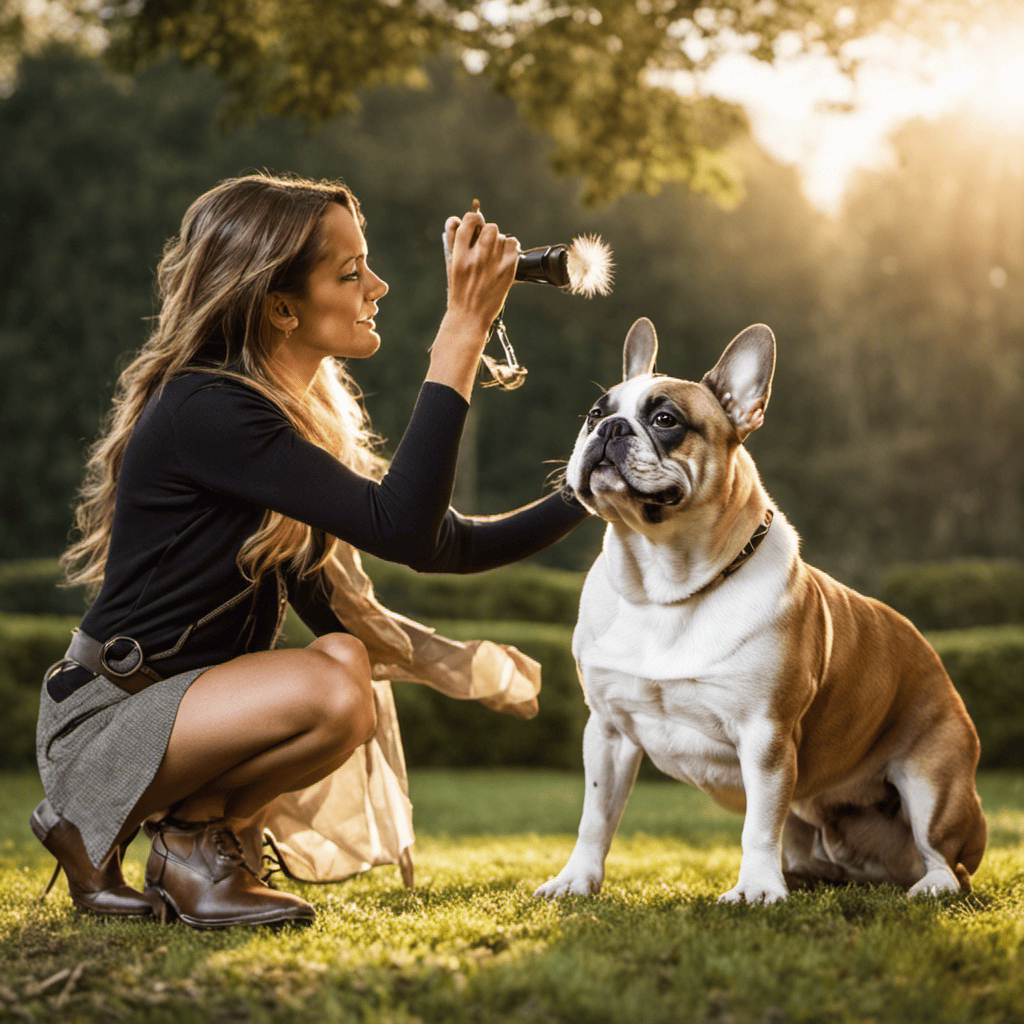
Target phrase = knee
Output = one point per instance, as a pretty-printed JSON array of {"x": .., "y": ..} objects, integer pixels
[
  {"x": 346, "y": 707},
  {"x": 346, "y": 650}
]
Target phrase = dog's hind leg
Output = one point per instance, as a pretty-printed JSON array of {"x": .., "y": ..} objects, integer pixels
[
  {"x": 936, "y": 785},
  {"x": 871, "y": 843},
  {"x": 610, "y": 763}
]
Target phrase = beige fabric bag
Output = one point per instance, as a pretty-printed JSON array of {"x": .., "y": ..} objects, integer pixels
[{"x": 360, "y": 816}]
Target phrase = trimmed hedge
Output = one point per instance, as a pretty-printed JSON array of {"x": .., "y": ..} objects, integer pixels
[
  {"x": 436, "y": 730},
  {"x": 986, "y": 665},
  {"x": 526, "y": 593},
  {"x": 514, "y": 593},
  {"x": 440, "y": 732},
  {"x": 933, "y": 595},
  {"x": 30, "y": 587},
  {"x": 29, "y": 645},
  {"x": 957, "y": 594}
]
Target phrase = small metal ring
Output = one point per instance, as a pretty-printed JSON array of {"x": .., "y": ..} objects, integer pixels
[{"x": 113, "y": 671}]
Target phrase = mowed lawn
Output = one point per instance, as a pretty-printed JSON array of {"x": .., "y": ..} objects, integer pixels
[{"x": 469, "y": 943}]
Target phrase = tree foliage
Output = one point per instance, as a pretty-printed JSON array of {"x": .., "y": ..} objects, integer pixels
[
  {"x": 607, "y": 80},
  {"x": 895, "y": 428},
  {"x": 927, "y": 337}
]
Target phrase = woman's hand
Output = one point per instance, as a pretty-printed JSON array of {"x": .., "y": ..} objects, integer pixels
[{"x": 481, "y": 264}]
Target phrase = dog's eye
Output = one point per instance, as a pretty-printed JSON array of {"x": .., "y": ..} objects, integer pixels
[
  {"x": 664, "y": 419},
  {"x": 594, "y": 414}
]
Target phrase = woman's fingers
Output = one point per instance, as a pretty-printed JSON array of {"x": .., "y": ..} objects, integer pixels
[
  {"x": 451, "y": 225},
  {"x": 512, "y": 249},
  {"x": 487, "y": 239},
  {"x": 482, "y": 265},
  {"x": 480, "y": 272},
  {"x": 467, "y": 231}
]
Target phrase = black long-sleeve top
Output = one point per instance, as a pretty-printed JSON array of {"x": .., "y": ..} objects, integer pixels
[{"x": 209, "y": 455}]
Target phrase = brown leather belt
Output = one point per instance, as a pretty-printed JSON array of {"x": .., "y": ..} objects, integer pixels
[{"x": 120, "y": 660}]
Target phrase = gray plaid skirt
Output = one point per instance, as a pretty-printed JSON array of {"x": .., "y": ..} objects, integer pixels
[{"x": 99, "y": 748}]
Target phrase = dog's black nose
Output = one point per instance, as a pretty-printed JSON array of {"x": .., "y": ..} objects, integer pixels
[{"x": 614, "y": 426}]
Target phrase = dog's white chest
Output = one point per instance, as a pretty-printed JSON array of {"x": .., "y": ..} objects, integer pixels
[
  {"x": 684, "y": 726},
  {"x": 679, "y": 681}
]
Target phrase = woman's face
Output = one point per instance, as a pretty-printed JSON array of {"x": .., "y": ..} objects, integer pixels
[{"x": 335, "y": 316}]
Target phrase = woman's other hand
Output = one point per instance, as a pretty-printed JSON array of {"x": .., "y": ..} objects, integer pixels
[{"x": 481, "y": 264}]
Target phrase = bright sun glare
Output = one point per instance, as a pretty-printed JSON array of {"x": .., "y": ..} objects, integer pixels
[
  {"x": 993, "y": 79},
  {"x": 803, "y": 111}
]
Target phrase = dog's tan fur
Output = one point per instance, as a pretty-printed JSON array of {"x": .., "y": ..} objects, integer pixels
[{"x": 821, "y": 714}]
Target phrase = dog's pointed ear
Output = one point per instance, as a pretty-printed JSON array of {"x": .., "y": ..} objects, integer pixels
[
  {"x": 640, "y": 349},
  {"x": 742, "y": 378}
]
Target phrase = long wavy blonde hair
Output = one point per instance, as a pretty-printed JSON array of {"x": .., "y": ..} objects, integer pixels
[{"x": 243, "y": 239}]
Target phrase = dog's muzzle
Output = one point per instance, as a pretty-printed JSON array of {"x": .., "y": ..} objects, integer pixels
[
  {"x": 606, "y": 445},
  {"x": 610, "y": 444}
]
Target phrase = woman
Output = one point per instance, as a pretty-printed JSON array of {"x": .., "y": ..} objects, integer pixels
[{"x": 235, "y": 453}]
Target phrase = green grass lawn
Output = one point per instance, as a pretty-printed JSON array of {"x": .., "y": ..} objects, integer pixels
[{"x": 470, "y": 944}]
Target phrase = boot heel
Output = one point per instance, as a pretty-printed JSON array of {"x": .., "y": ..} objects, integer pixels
[
  {"x": 43, "y": 819},
  {"x": 99, "y": 890},
  {"x": 50, "y": 884},
  {"x": 163, "y": 908}
]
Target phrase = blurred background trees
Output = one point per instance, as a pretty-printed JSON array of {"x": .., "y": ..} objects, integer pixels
[
  {"x": 895, "y": 428},
  {"x": 895, "y": 432},
  {"x": 610, "y": 82}
]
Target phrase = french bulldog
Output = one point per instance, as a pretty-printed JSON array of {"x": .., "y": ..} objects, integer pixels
[{"x": 706, "y": 642}]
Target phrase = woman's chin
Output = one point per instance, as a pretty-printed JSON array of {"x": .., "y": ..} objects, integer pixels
[
  {"x": 370, "y": 349},
  {"x": 365, "y": 347}
]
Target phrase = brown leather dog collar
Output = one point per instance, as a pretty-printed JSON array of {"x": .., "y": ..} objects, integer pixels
[{"x": 748, "y": 549}]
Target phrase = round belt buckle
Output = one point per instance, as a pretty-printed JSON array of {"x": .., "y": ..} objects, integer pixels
[{"x": 136, "y": 661}]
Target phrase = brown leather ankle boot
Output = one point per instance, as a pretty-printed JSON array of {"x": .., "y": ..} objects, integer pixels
[
  {"x": 99, "y": 890},
  {"x": 198, "y": 869}
]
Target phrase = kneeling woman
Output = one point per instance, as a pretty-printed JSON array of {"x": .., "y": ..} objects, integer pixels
[{"x": 235, "y": 453}]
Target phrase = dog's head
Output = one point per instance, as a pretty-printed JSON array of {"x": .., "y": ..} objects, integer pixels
[{"x": 654, "y": 446}]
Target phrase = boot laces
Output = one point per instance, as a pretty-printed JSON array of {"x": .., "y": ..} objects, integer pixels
[{"x": 228, "y": 847}]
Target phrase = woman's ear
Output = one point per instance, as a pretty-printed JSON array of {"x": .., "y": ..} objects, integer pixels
[{"x": 278, "y": 310}]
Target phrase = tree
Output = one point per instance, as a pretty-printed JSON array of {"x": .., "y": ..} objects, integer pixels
[
  {"x": 607, "y": 80},
  {"x": 925, "y": 345},
  {"x": 101, "y": 170},
  {"x": 895, "y": 424}
]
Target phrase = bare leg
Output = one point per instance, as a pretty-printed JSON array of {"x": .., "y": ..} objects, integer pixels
[{"x": 260, "y": 725}]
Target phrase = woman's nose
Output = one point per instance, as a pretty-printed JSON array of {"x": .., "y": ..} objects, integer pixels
[{"x": 378, "y": 287}]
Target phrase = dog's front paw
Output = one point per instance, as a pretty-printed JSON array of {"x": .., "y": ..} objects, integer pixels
[
  {"x": 568, "y": 882},
  {"x": 756, "y": 890},
  {"x": 937, "y": 880}
]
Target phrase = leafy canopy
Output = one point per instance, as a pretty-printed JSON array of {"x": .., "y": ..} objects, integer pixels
[{"x": 615, "y": 83}]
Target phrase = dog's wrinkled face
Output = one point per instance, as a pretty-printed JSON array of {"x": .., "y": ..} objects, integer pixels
[
  {"x": 649, "y": 445},
  {"x": 654, "y": 446}
]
